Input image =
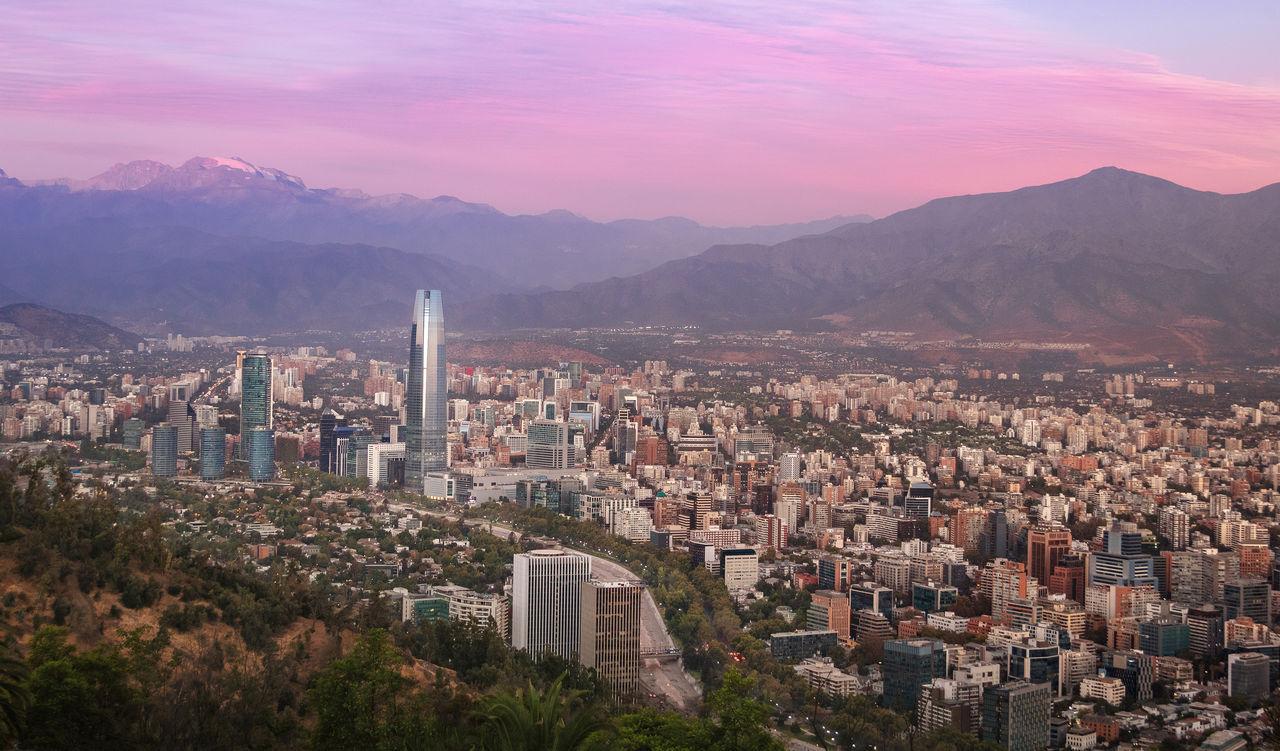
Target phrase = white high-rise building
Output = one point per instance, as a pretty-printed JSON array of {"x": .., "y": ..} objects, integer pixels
[
  {"x": 379, "y": 455},
  {"x": 789, "y": 467},
  {"x": 1175, "y": 526},
  {"x": 546, "y": 601},
  {"x": 548, "y": 446}
]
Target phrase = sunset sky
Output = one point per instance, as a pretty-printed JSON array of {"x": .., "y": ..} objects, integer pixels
[{"x": 728, "y": 113}]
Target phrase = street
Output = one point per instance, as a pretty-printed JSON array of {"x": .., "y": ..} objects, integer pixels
[{"x": 663, "y": 678}]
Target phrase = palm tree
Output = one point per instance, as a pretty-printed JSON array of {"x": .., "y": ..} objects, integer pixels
[
  {"x": 14, "y": 697},
  {"x": 534, "y": 720}
]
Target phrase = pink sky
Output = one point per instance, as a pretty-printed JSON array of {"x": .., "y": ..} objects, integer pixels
[{"x": 742, "y": 113}]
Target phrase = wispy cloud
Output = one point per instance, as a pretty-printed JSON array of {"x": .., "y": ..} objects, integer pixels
[{"x": 744, "y": 112}]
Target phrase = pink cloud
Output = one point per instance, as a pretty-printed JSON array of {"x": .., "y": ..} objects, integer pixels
[{"x": 738, "y": 113}]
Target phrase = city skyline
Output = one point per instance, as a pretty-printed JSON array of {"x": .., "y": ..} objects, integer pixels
[
  {"x": 1060, "y": 533},
  {"x": 918, "y": 387}
]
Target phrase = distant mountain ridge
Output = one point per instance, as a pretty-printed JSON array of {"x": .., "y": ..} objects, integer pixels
[
  {"x": 233, "y": 197},
  {"x": 39, "y": 324},
  {"x": 178, "y": 279},
  {"x": 1113, "y": 257}
]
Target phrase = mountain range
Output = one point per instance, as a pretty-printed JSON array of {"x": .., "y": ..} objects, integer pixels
[
  {"x": 1113, "y": 258},
  {"x": 231, "y": 197},
  {"x": 1116, "y": 259}
]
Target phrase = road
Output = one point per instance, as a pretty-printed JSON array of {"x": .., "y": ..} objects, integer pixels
[
  {"x": 663, "y": 678},
  {"x": 795, "y": 744},
  {"x": 497, "y": 530},
  {"x": 653, "y": 629}
]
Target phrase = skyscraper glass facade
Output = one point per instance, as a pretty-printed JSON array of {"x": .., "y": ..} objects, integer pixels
[
  {"x": 164, "y": 450},
  {"x": 213, "y": 452},
  {"x": 329, "y": 421},
  {"x": 262, "y": 454},
  {"x": 910, "y": 664},
  {"x": 133, "y": 428},
  {"x": 1015, "y": 715},
  {"x": 425, "y": 392},
  {"x": 255, "y": 399}
]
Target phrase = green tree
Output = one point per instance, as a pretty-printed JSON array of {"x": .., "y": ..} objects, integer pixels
[
  {"x": 535, "y": 720},
  {"x": 651, "y": 730},
  {"x": 14, "y": 697},
  {"x": 363, "y": 701},
  {"x": 79, "y": 699},
  {"x": 740, "y": 718},
  {"x": 1273, "y": 725}
]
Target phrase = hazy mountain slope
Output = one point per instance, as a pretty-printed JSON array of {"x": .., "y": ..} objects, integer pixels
[
  {"x": 37, "y": 323},
  {"x": 231, "y": 197},
  {"x": 200, "y": 283},
  {"x": 1109, "y": 249}
]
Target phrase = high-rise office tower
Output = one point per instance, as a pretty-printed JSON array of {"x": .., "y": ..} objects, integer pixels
[
  {"x": 548, "y": 446},
  {"x": 356, "y": 461},
  {"x": 1015, "y": 715},
  {"x": 1205, "y": 630},
  {"x": 930, "y": 597},
  {"x": 789, "y": 467},
  {"x": 834, "y": 572},
  {"x": 182, "y": 416},
  {"x": 610, "y": 636},
  {"x": 164, "y": 450},
  {"x": 206, "y": 416},
  {"x": 919, "y": 499},
  {"x": 871, "y": 596},
  {"x": 994, "y": 540},
  {"x": 1249, "y": 675},
  {"x": 133, "y": 429},
  {"x": 255, "y": 399},
  {"x": 262, "y": 454},
  {"x": 909, "y": 666},
  {"x": 1164, "y": 636},
  {"x": 329, "y": 422},
  {"x": 1250, "y": 598},
  {"x": 425, "y": 391},
  {"x": 213, "y": 452},
  {"x": 1070, "y": 576},
  {"x": 1121, "y": 562},
  {"x": 546, "y": 601},
  {"x": 1046, "y": 544},
  {"x": 1036, "y": 662}
]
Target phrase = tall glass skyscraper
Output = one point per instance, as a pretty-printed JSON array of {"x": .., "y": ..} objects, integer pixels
[
  {"x": 425, "y": 392},
  {"x": 329, "y": 421},
  {"x": 255, "y": 398},
  {"x": 164, "y": 450},
  {"x": 213, "y": 453},
  {"x": 262, "y": 454}
]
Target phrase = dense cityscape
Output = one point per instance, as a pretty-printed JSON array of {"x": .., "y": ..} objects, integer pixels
[
  {"x": 640, "y": 376},
  {"x": 1023, "y": 560}
]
